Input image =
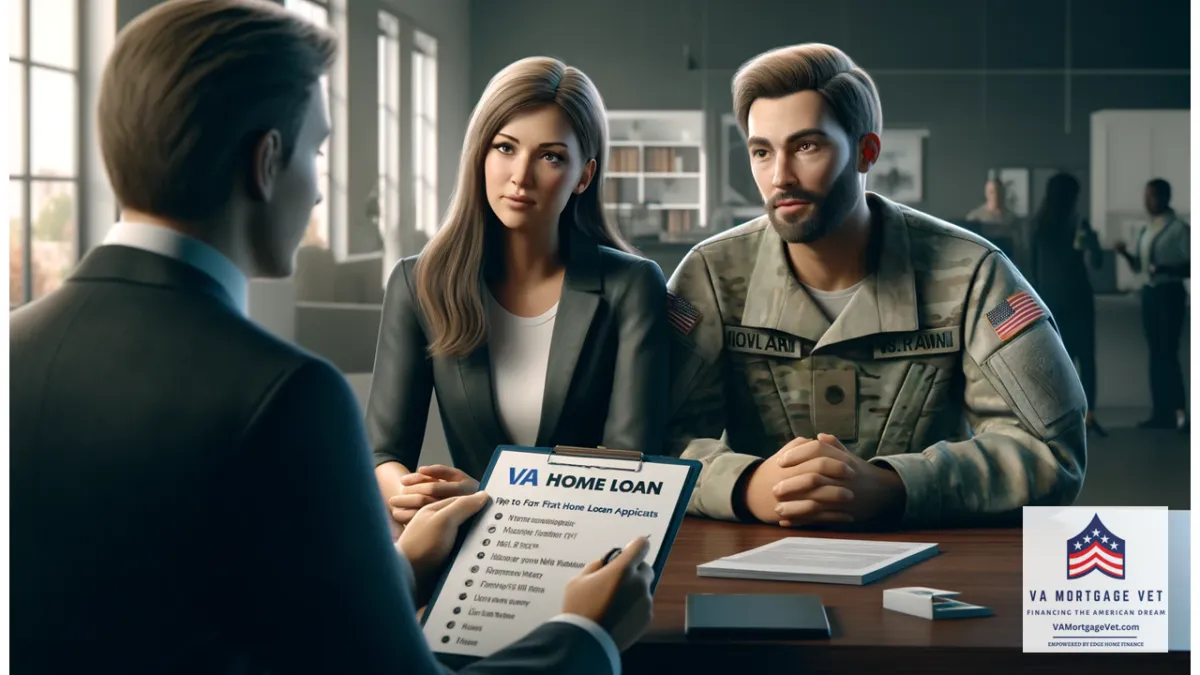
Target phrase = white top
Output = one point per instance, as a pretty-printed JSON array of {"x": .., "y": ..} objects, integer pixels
[
  {"x": 833, "y": 302},
  {"x": 188, "y": 250},
  {"x": 1172, "y": 247},
  {"x": 1144, "y": 253},
  {"x": 520, "y": 352},
  {"x": 519, "y": 348}
]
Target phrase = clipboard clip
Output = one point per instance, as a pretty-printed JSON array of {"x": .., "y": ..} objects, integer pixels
[{"x": 597, "y": 453}]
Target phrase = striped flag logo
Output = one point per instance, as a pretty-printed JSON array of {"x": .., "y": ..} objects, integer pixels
[
  {"x": 1015, "y": 313},
  {"x": 682, "y": 314}
]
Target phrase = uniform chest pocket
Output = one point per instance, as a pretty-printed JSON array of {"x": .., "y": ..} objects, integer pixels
[
  {"x": 754, "y": 372},
  {"x": 773, "y": 396},
  {"x": 906, "y": 410}
]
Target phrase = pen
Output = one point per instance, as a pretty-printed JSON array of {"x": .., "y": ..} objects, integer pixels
[{"x": 613, "y": 553}]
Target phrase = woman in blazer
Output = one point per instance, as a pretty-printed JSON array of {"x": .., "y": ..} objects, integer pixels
[{"x": 528, "y": 314}]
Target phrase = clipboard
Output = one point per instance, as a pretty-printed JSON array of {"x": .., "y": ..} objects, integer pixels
[{"x": 624, "y": 466}]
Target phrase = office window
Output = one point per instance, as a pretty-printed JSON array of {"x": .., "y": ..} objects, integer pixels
[
  {"x": 43, "y": 164},
  {"x": 389, "y": 122},
  {"x": 320, "y": 225},
  {"x": 424, "y": 156}
]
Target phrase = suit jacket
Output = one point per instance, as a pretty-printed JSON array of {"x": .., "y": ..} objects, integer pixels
[
  {"x": 606, "y": 382},
  {"x": 192, "y": 495}
]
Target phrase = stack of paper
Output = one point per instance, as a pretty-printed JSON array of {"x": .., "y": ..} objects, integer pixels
[{"x": 827, "y": 561}]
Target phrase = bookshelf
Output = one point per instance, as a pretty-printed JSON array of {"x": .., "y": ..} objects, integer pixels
[{"x": 655, "y": 184}]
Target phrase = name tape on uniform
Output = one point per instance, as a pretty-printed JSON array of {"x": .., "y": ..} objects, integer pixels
[
  {"x": 933, "y": 341},
  {"x": 767, "y": 343}
]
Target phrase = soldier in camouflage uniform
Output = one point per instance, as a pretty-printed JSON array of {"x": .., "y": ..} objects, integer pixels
[{"x": 939, "y": 395}]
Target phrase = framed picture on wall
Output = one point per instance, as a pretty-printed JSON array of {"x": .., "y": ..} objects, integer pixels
[
  {"x": 898, "y": 173},
  {"x": 1016, "y": 189},
  {"x": 1037, "y": 187}
]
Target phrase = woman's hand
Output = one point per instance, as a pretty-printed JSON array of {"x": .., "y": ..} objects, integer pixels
[
  {"x": 427, "y": 485},
  {"x": 429, "y": 537}
]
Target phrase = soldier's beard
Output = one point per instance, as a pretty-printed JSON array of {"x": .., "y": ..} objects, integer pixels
[{"x": 824, "y": 216}]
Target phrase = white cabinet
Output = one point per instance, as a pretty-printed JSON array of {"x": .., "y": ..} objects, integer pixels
[{"x": 1130, "y": 147}]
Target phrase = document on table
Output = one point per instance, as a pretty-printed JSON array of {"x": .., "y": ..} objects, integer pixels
[
  {"x": 551, "y": 513},
  {"x": 820, "y": 560}
]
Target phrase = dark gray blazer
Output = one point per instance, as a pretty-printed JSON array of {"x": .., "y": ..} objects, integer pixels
[
  {"x": 193, "y": 495},
  {"x": 606, "y": 382}
]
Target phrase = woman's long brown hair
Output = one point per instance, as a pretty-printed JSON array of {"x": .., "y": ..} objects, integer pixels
[{"x": 449, "y": 272}]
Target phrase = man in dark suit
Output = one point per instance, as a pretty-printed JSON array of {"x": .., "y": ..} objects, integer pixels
[{"x": 156, "y": 431}]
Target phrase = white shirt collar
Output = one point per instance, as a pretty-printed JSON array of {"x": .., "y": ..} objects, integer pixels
[{"x": 188, "y": 250}]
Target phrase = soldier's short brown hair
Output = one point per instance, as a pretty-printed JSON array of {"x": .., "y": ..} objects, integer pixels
[
  {"x": 847, "y": 89},
  {"x": 190, "y": 87}
]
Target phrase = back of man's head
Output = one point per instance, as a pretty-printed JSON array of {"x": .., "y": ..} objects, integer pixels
[
  {"x": 190, "y": 87},
  {"x": 1161, "y": 190}
]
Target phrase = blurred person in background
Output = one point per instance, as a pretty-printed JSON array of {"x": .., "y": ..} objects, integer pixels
[
  {"x": 1064, "y": 246},
  {"x": 1161, "y": 257},
  {"x": 995, "y": 210}
]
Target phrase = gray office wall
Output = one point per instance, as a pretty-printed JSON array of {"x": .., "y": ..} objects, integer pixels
[{"x": 988, "y": 79}]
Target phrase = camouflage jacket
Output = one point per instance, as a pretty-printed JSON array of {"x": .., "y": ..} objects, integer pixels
[{"x": 945, "y": 365}]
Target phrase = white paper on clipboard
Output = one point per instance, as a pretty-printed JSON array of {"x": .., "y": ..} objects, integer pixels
[{"x": 549, "y": 515}]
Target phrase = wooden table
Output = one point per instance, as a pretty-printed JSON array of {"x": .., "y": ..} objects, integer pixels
[{"x": 984, "y": 565}]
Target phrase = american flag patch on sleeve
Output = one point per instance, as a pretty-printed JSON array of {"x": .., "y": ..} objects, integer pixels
[
  {"x": 1015, "y": 313},
  {"x": 682, "y": 314}
]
